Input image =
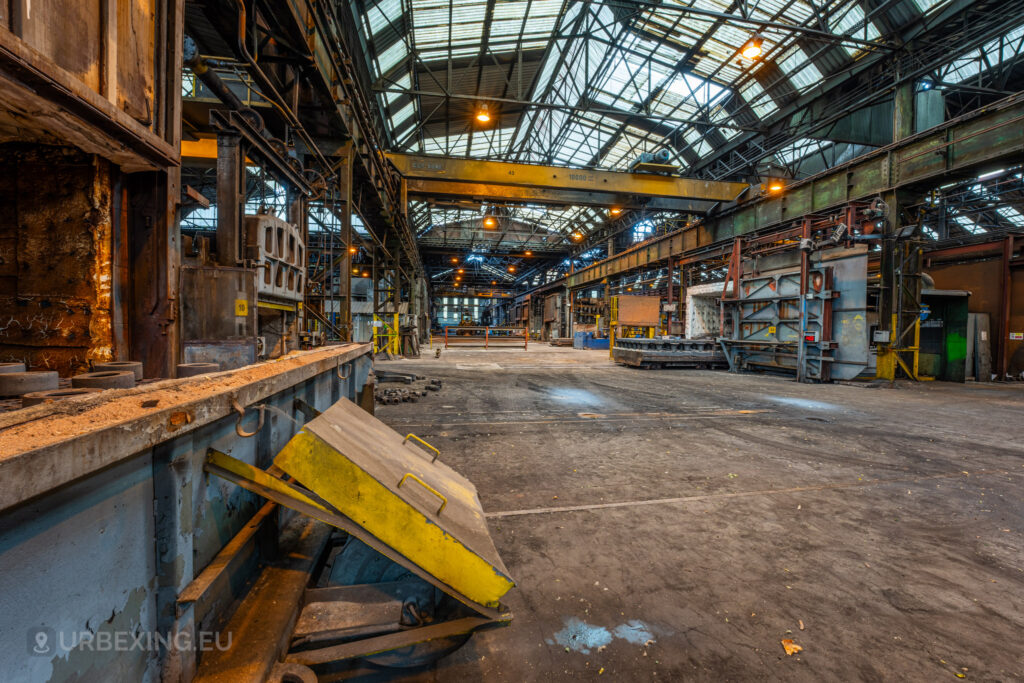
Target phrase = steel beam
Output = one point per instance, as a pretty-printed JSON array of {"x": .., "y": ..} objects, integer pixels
[
  {"x": 509, "y": 194},
  {"x": 962, "y": 147},
  {"x": 607, "y": 187}
]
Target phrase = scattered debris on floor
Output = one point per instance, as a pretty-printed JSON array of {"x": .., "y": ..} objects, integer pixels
[
  {"x": 388, "y": 396},
  {"x": 791, "y": 647}
]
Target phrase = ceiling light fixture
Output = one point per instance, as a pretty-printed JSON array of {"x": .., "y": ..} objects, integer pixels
[
  {"x": 529, "y": 253},
  {"x": 775, "y": 186},
  {"x": 482, "y": 115},
  {"x": 352, "y": 250},
  {"x": 490, "y": 222},
  {"x": 753, "y": 48},
  {"x": 615, "y": 211}
]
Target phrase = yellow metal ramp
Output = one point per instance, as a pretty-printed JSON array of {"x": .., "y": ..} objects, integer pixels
[{"x": 354, "y": 472}]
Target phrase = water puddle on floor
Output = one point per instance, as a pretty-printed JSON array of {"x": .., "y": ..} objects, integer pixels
[
  {"x": 582, "y": 637},
  {"x": 580, "y": 397},
  {"x": 804, "y": 403}
]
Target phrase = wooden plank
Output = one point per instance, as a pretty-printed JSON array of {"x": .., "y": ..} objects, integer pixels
[
  {"x": 386, "y": 643},
  {"x": 136, "y": 35},
  {"x": 45, "y": 102}
]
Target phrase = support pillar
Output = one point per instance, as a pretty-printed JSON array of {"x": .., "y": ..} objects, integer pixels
[
  {"x": 1004, "y": 310},
  {"x": 155, "y": 257},
  {"x": 230, "y": 198}
]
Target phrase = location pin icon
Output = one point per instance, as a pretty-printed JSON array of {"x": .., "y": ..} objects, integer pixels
[{"x": 41, "y": 641}]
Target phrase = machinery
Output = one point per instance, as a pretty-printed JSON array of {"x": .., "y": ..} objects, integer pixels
[
  {"x": 797, "y": 302},
  {"x": 277, "y": 252},
  {"x": 236, "y": 315},
  {"x": 668, "y": 352}
]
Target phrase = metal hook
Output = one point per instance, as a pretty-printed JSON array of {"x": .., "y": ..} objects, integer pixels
[
  {"x": 348, "y": 370},
  {"x": 241, "y": 415}
]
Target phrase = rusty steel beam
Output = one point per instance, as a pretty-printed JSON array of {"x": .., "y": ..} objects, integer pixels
[
  {"x": 962, "y": 147},
  {"x": 443, "y": 176}
]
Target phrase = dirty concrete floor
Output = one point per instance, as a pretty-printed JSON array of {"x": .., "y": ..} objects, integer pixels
[{"x": 678, "y": 524}]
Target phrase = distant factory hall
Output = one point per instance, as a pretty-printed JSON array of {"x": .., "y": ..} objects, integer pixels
[{"x": 518, "y": 340}]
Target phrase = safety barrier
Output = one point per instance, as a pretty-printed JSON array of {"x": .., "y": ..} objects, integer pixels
[{"x": 486, "y": 336}]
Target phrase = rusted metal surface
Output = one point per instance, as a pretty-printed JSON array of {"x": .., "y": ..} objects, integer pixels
[
  {"x": 56, "y": 238},
  {"x": 44, "y": 447}
]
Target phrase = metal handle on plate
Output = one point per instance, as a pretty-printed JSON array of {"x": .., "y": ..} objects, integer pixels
[
  {"x": 437, "y": 453},
  {"x": 444, "y": 501}
]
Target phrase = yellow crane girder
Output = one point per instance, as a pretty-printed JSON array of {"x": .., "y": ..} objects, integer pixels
[{"x": 475, "y": 178}]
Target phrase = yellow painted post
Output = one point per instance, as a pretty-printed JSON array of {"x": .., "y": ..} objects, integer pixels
[
  {"x": 397, "y": 341},
  {"x": 885, "y": 363},
  {"x": 917, "y": 345}
]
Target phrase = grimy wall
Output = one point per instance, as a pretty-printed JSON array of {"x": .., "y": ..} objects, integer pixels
[{"x": 58, "y": 250}]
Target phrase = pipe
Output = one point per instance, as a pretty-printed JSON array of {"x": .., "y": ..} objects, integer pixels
[
  {"x": 194, "y": 61},
  {"x": 267, "y": 89}
]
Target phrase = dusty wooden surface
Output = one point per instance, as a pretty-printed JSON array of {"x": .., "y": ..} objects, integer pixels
[{"x": 47, "y": 445}]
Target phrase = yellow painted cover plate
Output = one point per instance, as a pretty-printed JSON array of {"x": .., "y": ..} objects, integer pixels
[{"x": 360, "y": 466}]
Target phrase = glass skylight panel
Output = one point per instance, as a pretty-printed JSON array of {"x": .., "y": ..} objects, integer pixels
[
  {"x": 384, "y": 14},
  {"x": 799, "y": 149},
  {"x": 402, "y": 116},
  {"x": 392, "y": 56},
  {"x": 643, "y": 230},
  {"x": 698, "y": 142},
  {"x": 622, "y": 152},
  {"x": 792, "y": 12},
  {"x": 989, "y": 55},
  {"x": 704, "y": 92},
  {"x": 928, "y": 5},
  {"x": 760, "y": 101},
  {"x": 441, "y": 27},
  {"x": 801, "y": 72},
  {"x": 451, "y": 145},
  {"x": 721, "y": 115},
  {"x": 1012, "y": 215},
  {"x": 580, "y": 145},
  {"x": 852, "y": 23},
  {"x": 490, "y": 143},
  {"x": 402, "y": 83},
  {"x": 968, "y": 225}
]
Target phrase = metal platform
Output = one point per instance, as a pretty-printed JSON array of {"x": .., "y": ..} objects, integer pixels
[{"x": 669, "y": 352}]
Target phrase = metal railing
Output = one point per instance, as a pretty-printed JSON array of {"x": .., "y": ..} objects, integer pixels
[{"x": 488, "y": 337}]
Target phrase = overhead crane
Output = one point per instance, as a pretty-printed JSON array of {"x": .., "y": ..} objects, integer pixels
[{"x": 506, "y": 182}]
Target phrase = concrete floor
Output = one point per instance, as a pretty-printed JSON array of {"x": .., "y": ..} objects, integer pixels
[{"x": 678, "y": 524}]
